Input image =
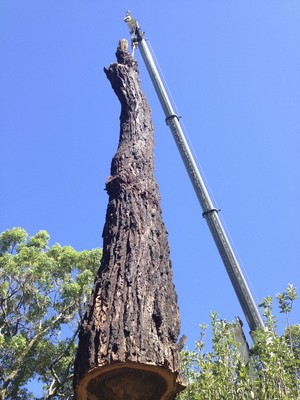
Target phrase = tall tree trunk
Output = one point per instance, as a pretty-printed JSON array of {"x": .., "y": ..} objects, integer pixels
[{"x": 128, "y": 341}]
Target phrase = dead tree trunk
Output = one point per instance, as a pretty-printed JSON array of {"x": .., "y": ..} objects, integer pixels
[{"x": 128, "y": 341}]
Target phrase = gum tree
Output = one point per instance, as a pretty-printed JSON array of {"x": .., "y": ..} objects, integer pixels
[{"x": 42, "y": 294}]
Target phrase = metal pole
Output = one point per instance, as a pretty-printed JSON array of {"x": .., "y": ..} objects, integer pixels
[{"x": 210, "y": 213}]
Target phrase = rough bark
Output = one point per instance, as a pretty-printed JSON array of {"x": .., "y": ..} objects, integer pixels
[{"x": 133, "y": 315}]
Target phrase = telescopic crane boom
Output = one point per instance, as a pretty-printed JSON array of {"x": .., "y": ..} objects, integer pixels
[{"x": 210, "y": 213}]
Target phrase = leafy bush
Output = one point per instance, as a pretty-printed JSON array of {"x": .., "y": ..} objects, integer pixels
[{"x": 270, "y": 372}]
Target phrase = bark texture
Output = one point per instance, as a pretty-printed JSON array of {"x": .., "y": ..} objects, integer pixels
[{"x": 133, "y": 314}]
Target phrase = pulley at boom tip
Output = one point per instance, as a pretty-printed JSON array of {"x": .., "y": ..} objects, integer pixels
[{"x": 134, "y": 29}]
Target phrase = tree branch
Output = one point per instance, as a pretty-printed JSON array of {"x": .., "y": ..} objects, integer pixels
[{"x": 29, "y": 347}]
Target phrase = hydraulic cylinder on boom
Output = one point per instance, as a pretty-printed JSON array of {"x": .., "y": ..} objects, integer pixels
[{"x": 210, "y": 213}]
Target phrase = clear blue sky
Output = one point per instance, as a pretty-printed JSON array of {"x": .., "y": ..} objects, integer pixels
[{"x": 233, "y": 68}]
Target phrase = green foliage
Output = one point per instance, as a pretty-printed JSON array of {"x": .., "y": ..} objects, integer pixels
[
  {"x": 271, "y": 372},
  {"x": 42, "y": 294},
  {"x": 12, "y": 238}
]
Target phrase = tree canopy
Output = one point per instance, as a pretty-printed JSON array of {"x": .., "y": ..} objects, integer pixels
[{"x": 42, "y": 294}]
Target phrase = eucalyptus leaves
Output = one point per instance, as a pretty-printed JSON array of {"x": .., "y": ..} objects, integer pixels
[{"x": 42, "y": 294}]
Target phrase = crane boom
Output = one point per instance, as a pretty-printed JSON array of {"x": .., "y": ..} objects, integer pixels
[{"x": 210, "y": 213}]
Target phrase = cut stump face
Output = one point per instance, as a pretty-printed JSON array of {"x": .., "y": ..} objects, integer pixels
[
  {"x": 128, "y": 381},
  {"x": 128, "y": 338}
]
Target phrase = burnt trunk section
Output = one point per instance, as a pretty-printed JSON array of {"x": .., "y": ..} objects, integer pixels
[{"x": 127, "y": 347}]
